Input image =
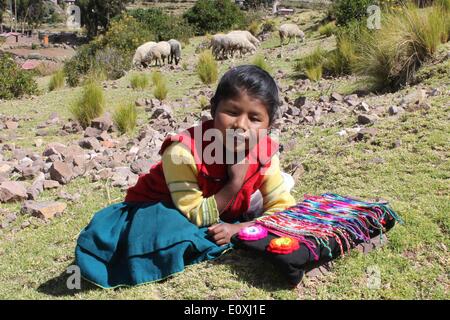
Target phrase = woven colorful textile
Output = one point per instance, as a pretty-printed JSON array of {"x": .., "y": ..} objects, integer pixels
[{"x": 318, "y": 218}]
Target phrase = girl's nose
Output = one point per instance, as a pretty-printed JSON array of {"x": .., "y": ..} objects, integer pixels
[{"x": 241, "y": 123}]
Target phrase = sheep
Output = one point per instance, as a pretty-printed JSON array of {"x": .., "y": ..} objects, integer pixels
[
  {"x": 175, "y": 51},
  {"x": 220, "y": 44},
  {"x": 141, "y": 53},
  {"x": 239, "y": 42},
  {"x": 290, "y": 30},
  {"x": 248, "y": 35},
  {"x": 158, "y": 52}
]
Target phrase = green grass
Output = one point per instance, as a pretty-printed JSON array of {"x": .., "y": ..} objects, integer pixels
[
  {"x": 414, "y": 178},
  {"x": 139, "y": 81},
  {"x": 89, "y": 105},
  {"x": 125, "y": 117},
  {"x": 207, "y": 67},
  {"x": 56, "y": 80}
]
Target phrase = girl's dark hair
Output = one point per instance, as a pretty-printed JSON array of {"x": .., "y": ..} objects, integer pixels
[{"x": 258, "y": 83}]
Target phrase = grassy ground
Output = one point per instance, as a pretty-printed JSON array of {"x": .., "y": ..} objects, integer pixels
[{"x": 413, "y": 176}]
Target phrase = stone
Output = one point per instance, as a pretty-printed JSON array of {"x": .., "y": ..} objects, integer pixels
[
  {"x": 363, "y": 106},
  {"x": 103, "y": 123},
  {"x": 54, "y": 148},
  {"x": 293, "y": 111},
  {"x": 37, "y": 187},
  {"x": 364, "y": 134},
  {"x": 51, "y": 184},
  {"x": 91, "y": 132},
  {"x": 338, "y": 109},
  {"x": 12, "y": 125},
  {"x": 141, "y": 102},
  {"x": 393, "y": 110},
  {"x": 164, "y": 111},
  {"x": 12, "y": 191},
  {"x": 38, "y": 142},
  {"x": 300, "y": 102},
  {"x": 140, "y": 166},
  {"x": 352, "y": 100},
  {"x": 367, "y": 119},
  {"x": 90, "y": 143},
  {"x": 416, "y": 97},
  {"x": 61, "y": 172},
  {"x": 104, "y": 136},
  {"x": 69, "y": 197},
  {"x": 336, "y": 97},
  {"x": 43, "y": 210}
]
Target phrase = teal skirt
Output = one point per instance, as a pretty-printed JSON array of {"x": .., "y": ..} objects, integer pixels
[{"x": 129, "y": 244}]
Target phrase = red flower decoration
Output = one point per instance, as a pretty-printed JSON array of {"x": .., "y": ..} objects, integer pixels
[{"x": 283, "y": 245}]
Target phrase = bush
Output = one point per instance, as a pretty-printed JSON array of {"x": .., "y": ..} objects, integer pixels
[
  {"x": 14, "y": 82},
  {"x": 157, "y": 77},
  {"x": 80, "y": 64},
  {"x": 160, "y": 91},
  {"x": 162, "y": 25},
  {"x": 90, "y": 105},
  {"x": 348, "y": 10},
  {"x": 113, "y": 62},
  {"x": 214, "y": 15},
  {"x": 254, "y": 28},
  {"x": 260, "y": 62},
  {"x": 312, "y": 64},
  {"x": 268, "y": 26},
  {"x": 139, "y": 81},
  {"x": 341, "y": 60},
  {"x": 391, "y": 56},
  {"x": 327, "y": 29},
  {"x": 125, "y": 118},
  {"x": 57, "y": 80},
  {"x": 47, "y": 68},
  {"x": 207, "y": 67},
  {"x": 204, "y": 102}
]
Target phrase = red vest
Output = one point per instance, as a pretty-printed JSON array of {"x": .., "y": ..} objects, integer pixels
[{"x": 152, "y": 187}]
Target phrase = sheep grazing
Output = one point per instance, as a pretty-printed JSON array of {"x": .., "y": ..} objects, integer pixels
[
  {"x": 248, "y": 35},
  {"x": 225, "y": 44},
  {"x": 290, "y": 30},
  {"x": 175, "y": 51},
  {"x": 220, "y": 45},
  {"x": 239, "y": 42},
  {"x": 141, "y": 53},
  {"x": 158, "y": 52}
]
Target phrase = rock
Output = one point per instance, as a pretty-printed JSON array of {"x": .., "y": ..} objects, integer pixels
[
  {"x": 51, "y": 184},
  {"x": 300, "y": 102},
  {"x": 43, "y": 210},
  {"x": 338, "y": 109},
  {"x": 61, "y": 172},
  {"x": 352, "y": 100},
  {"x": 293, "y": 111},
  {"x": 416, "y": 97},
  {"x": 90, "y": 143},
  {"x": 91, "y": 132},
  {"x": 38, "y": 142},
  {"x": 364, "y": 134},
  {"x": 363, "y": 106},
  {"x": 69, "y": 197},
  {"x": 164, "y": 111},
  {"x": 393, "y": 110},
  {"x": 141, "y": 102},
  {"x": 103, "y": 123},
  {"x": 12, "y": 191},
  {"x": 5, "y": 169},
  {"x": 25, "y": 224},
  {"x": 336, "y": 97},
  {"x": 140, "y": 166},
  {"x": 367, "y": 119},
  {"x": 37, "y": 187},
  {"x": 104, "y": 136},
  {"x": 12, "y": 125},
  {"x": 54, "y": 148},
  {"x": 324, "y": 99}
]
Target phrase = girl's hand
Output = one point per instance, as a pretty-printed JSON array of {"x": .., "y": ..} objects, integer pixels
[
  {"x": 221, "y": 233},
  {"x": 237, "y": 172}
]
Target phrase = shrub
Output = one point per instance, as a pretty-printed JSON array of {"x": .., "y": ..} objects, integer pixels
[
  {"x": 14, "y": 82},
  {"x": 125, "y": 118},
  {"x": 160, "y": 91},
  {"x": 392, "y": 55},
  {"x": 268, "y": 26},
  {"x": 260, "y": 62},
  {"x": 327, "y": 29},
  {"x": 341, "y": 60},
  {"x": 314, "y": 73},
  {"x": 207, "y": 67},
  {"x": 253, "y": 28},
  {"x": 89, "y": 105},
  {"x": 112, "y": 61},
  {"x": 57, "y": 80},
  {"x": 139, "y": 81},
  {"x": 213, "y": 16},
  {"x": 348, "y": 10},
  {"x": 47, "y": 68},
  {"x": 80, "y": 64},
  {"x": 162, "y": 25},
  {"x": 204, "y": 102}
]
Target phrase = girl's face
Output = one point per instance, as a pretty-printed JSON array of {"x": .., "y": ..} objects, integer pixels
[{"x": 243, "y": 116}]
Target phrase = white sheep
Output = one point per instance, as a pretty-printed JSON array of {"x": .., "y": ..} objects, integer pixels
[
  {"x": 219, "y": 44},
  {"x": 175, "y": 51},
  {"x": 141, "y": 53},
  {"x": 248, "y": 35},
  {"x": 159, "y": 52},
  {"x": 290, "y": 30},
  {"x": 239, "y": 42}
]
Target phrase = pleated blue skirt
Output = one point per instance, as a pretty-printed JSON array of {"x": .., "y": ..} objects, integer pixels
[{"x": 128, "y": 244}]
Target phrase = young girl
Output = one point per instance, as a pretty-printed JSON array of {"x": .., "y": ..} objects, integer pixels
[{"x": 189, "y": 205}]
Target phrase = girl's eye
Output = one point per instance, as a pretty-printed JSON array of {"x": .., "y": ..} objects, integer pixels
[
  {"x": 255, "y": 120},
  {"x": 231, "y": 112}
]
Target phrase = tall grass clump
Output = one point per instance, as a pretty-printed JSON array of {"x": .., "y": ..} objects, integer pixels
[
  {"x": 260, "y": 62},
  {"x": 139, "y": 81},
  {"x": 90, "y": 105},
  {"x": 312, "y": 65},
  {"x": 391, "y": 56},
  {"x": 327, "y": 29},
  {"x": 157, "y": 77},
  {"x": 57, "y": 80},
  {"x": 125, "y": 118},
  {"x": 207, "y": 67}
]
